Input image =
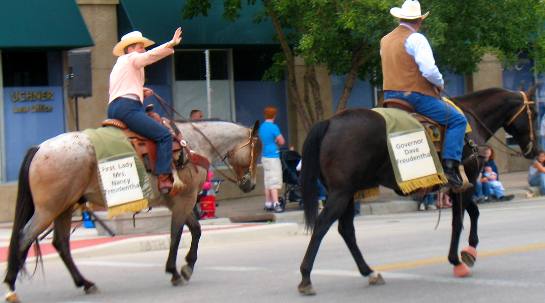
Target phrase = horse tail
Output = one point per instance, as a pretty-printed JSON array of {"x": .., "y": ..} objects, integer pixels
[
  {"x": 310, "y": 171},
  {"x": 24, "y": 209}
]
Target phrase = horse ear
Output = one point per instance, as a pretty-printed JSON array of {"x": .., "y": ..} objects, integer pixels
[
  {"x": 531, "y": 93},
  {"x": 255, "y": 128}
]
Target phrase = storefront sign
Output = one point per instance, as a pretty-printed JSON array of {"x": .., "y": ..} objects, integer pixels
[
  {"x": 26, "y": 101},
  {"x": 31, "y": 116}
]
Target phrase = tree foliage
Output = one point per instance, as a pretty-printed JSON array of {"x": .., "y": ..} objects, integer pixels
[{"x": 344, "y": 35}]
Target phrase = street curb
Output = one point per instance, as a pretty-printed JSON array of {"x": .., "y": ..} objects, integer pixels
[
  {"x": 366, "y": 209},
  {"x": 140, "y": 244}
]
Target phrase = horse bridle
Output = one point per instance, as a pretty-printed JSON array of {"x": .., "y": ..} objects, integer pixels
[
  {"x": 248, "y": 175},
  {"x": 252, "y": 141},
  {"x": 525, "y": 106}
]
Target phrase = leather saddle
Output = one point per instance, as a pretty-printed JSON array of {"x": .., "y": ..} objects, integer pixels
[
  {"x": 146, "y": 148},
  {"x": 434, "y": 129}
]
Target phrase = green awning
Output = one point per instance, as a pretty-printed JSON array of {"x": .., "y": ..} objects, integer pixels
[
  {"x": 157, "y": 20},
  {"x": 42, "y": 24}
]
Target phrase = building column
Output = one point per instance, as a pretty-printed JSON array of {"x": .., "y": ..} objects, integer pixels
[
  {"x": 100, "y": 16},
  {"x": 2, "y": 146}
]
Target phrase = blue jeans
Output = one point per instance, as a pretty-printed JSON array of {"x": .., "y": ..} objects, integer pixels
[
  {"x": 481, "y": 189},
  {"x": 538, "y": 180},
  {"x": 496, "y": 191},
  {"x": 133, "y": 114},
  {"x": 441, "y": 112}
]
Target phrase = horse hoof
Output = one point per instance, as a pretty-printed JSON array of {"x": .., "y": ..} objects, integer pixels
[
  {"x": 461, "y": 271},
  {"x": 91, "y": 289},
  {"x": 376, "y": 279},
  {"x": 12, "y": 297},
  {"x": 469, "y": 255},
  {"x": 177, "y": 281},
  {"x": 306, "y": 290},
  {"x": 187, "y": 272}
]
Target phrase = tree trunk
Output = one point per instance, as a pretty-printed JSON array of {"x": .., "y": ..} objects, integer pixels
[
  {"x": 357, "y": 61},
  {"x": 316, "y": 94},
  {"x": 293, "y": 92}
]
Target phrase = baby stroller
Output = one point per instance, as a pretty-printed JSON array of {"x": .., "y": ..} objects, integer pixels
[{"x": 290, "y": 176}]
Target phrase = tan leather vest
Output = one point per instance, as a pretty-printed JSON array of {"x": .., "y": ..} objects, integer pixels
[{"x": 399, "y": 69}]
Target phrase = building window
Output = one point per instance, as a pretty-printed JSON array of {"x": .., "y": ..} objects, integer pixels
[
  {"x": 191, "y": 90},
  {"x": 191, "y": 65},
  {"x": 25, "y": 68},
  {"x": 251, "y": 64}
]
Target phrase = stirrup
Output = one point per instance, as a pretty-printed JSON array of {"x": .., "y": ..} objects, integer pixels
[{"x": 465, "y": 181}]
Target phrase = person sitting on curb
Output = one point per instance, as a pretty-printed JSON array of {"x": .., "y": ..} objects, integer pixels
[
  {"x": 483, "y": 192},
  {"x": 496, "y": 188},
  {"x": 536, "y": 173}
]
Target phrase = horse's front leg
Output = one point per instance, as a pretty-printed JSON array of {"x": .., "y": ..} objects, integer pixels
[
  {"x": 460, "y": 269},
  {"x": 469, "y": 254},
  {"x": 176, "y": 227},
  {"x": 191, "y": 257}
]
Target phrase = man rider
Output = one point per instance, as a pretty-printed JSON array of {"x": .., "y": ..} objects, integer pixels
[
  {"x": 127, "y": 93},
  {"x": 410, "y": 74}
]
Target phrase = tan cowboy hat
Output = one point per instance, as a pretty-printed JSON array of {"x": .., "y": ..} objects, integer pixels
[
  {"x": 409, "y": 10},
  {"x": 128, "y": 39}
]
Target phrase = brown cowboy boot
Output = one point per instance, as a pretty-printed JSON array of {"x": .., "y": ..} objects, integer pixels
[{"x": 165, "y": 183}]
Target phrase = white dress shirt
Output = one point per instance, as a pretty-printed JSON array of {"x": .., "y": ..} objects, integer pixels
[{"x": 419, "y": 48}]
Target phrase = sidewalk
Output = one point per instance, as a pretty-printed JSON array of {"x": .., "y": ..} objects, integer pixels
[{"x": 87, "y": 242}]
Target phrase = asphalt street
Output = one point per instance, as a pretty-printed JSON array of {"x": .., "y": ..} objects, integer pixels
[{"x": 405, "y": 248}]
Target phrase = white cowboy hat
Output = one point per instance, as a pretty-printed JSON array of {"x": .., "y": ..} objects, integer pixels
[
  {"x": 128, "y": 39},
  {"x": 409, "y": 10}
]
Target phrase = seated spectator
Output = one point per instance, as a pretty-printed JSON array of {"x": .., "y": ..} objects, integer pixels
[
  {"x": 495, "y": 186},
  {"x": 536, "y": 173},
  {"x": 483, "y": 191}
]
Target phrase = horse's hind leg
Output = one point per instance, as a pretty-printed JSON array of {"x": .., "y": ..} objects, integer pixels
[
  {"x": 460, "y": 269},
  {"x": 61, "y": 240},
  {"x": 347, "y": 231},
  {"x": 469, "y": 254},
  {"x": 37, "y": 224},
  {"x": 334, "y": 208},
  {"x": 191, "y": 257}
]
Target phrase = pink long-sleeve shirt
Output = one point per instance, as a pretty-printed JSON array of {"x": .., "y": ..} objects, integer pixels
[{"x": 127, "y": 77}]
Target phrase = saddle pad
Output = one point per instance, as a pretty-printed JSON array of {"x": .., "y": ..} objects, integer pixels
[
  {"x": 451, "y": 103},
  {"x": 410, "y": 156},
  {"x": 110, "y": 143}
]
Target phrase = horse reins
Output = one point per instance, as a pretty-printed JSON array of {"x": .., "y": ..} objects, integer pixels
[
  {"x": 167, "y": 107},
  {"x": 526, "y": 105}
]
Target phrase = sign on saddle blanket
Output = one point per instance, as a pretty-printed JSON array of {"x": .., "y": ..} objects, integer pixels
[
  {"x": 414, "y": 160},
  {"x": 124, "y": 183}
]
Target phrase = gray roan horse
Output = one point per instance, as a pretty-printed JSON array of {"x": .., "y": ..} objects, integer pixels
[
  {"x": 363, "y": 163},
  {"x": 62, "y": 170}
]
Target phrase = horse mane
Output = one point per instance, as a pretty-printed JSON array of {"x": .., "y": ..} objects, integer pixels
[{"x": 481, "y": 93}]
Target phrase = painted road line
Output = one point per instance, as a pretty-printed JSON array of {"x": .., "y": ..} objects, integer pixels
[
  {"x": 119, "y": 264},
  {"x": 434, "y": 279},
  {"x": 443, "y": 260},
  {"x": 385, "y": 267}
]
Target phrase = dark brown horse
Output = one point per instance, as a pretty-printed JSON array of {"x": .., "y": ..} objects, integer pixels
[
  {"x": 363, "y": 163},
  {"x": 63, "y": 170}
]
